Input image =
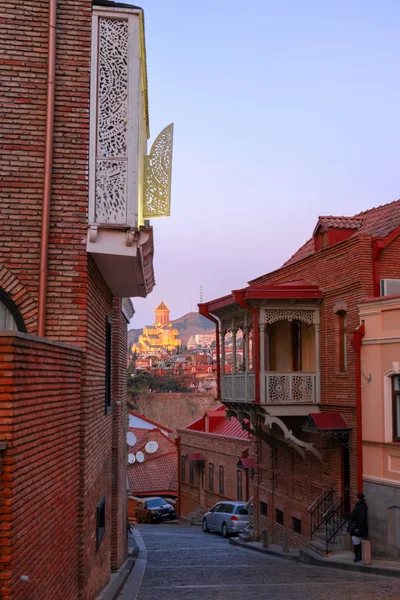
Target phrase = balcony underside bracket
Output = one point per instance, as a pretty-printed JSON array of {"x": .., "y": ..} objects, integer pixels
[{"x": 290, "y": 437}]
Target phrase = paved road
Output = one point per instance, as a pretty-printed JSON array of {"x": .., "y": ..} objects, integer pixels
[{"x": 186, "y": 564}]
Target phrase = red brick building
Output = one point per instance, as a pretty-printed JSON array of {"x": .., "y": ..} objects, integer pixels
[
  {"x": 299, "y": 387},
  {"x": 213, "y": 462},
  {"x": 75, "y": 190}
]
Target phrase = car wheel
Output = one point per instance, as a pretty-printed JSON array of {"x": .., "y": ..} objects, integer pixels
[
  {"x": 225, "y": 533},
  {"x": 205, "y": 528}
]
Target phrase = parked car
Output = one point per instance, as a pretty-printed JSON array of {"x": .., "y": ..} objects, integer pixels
[
  {"x": 227, "y": 518},
  {"x": 153, "y": 510}
]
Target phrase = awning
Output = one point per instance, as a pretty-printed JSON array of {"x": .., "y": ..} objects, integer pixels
[
  {"x": 196, "y": 457},
  {"x": 330, "y": 421},
  {"x": 246, "y": 463}
]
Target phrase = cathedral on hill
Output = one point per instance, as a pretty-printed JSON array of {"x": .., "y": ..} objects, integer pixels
[{"x": 158, "y": 337}]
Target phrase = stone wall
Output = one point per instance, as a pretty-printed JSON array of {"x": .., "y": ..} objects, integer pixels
[
  {"x": 383, "y": 502},
  {"x": 175, "y": 410}
]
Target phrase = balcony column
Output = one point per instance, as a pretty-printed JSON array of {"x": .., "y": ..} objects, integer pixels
[
  {"x": 222, "y": 349},
  {"x": 262, "y": 363},
  {"x": 233, "y": 358},
  {"x": 246, "y": 356},
  {"x": 317, "y": 363}
]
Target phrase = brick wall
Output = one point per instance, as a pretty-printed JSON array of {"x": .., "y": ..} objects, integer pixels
[
  {"x": 40, "y": 406},
  {"x": 78, "y": 300},
  {"x": 218, "y": 450},
  {"x": 174, "y": 410},
  {"x": 119, "y": 450}
]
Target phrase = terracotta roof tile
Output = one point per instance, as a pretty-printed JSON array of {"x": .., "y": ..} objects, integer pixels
[
  {"x": 154, "y": 475},
  {"x": 376, "y": 222}
]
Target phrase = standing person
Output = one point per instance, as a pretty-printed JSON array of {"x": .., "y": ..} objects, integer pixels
[{"x": 359, "y": 525}]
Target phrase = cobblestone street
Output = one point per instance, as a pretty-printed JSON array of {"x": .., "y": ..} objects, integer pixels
[{"x": 186, "y": 564}]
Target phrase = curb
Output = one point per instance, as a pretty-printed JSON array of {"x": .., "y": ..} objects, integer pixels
[
  {"x": 132, "y": 585},
  {"x": 310, "y": 558},
  {"x": 245, "y": 545},
  {"x": 117, "y": 581}
]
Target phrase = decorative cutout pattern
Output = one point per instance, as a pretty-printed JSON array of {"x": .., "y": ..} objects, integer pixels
[
  {"x": 293, "y": 387},
  {"x": 112, "y": 89},
  {"x": 251, "y": 387},
  {"x": 157, "y": 176},
  {"x": 111, "y": 192},
  {"x": 240, "y": 387},
  {"x": 282, "y": 314},
  {"x": 227, "y": 387},
  {"x": 112, "y": 143}
]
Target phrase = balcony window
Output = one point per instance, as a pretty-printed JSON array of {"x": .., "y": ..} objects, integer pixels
[
  {"x": 342, "y": 321},
  {"x": 211, "y": 477},
  {"x": 396, "y": 407},
  {"x": 296, "y": 345},
  {"x": 221, "y": 482}
]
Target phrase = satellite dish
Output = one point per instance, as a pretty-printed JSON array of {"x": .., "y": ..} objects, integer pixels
[
  {"x": 131, "y": 438},
  {"x": 131, "y": 458},
  {"x": 151, "y": 447},
  {"x": 140, "y": 457}
]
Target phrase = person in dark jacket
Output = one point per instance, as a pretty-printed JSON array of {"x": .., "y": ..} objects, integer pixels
[{"x": 359, "y": 525}]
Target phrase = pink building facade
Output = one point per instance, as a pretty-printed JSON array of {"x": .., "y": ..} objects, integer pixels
[{"x": 380, "y": 387}]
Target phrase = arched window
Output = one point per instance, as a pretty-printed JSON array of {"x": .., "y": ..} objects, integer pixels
[
  {"x": 183, "y": 468},
  {"x": 342, "y": 316},
  {"x": 211, "y": 477},
  {"x": 221, "y": 480},
  {"x": 396, "y": 407},
  {"x": 10, "y": 317},
  {"x": 239, "y": 485}
]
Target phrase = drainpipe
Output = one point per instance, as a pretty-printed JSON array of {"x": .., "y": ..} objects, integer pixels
[
  {"x": 178, "y": 504},
  {"x": 203, "y": 310},
  {"x": 48, "y": 167},
  {"x": 240, "y": 299},
  {"x": 356, "y": 342}
]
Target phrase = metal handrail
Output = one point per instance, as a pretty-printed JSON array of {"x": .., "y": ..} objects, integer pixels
[
  {"x": 336, "y": 517},
  {"x": 319, "y": 509},
  {"x": 323, "y": 493}
]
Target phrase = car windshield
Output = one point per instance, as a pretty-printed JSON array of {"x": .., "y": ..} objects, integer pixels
[{"x": 155, "y": 502}]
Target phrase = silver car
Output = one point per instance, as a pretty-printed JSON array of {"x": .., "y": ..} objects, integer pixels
[{"x": 227, "y": 518}]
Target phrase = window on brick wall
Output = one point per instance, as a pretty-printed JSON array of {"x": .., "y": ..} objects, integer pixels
[
  {"x": 211, "y": 477},
  {"x": 191, "y": 473},
  {"x": 239, "y": 485},
  {"x": 279, "y": 516},
  {"x": 296, "y": 525},
  {"x": 396, "y": 407},
  {"x": 221, "y": 482},
  {"x": 342, "y": 317},
  {"x": 183, "y": 468},
  {"x": 264, "y": 509},
  {"x": 108, "y": 366},
  {"x": 100, "y": 521},
  {"x": 10, "y": 317}
]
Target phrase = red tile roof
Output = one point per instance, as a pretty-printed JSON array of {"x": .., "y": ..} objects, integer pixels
[
  {"x": 231, "y": 428},
  {"x": 376, "y": 222},
  {"x": 218, "y": 424},
  {"x": 155, "y": 476}
]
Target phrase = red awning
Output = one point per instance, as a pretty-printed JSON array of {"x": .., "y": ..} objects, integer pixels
[
  {"x": 330, "y": 421},
  {"x": 247, "y": 463},
  {"x": 195, "y": 456}
]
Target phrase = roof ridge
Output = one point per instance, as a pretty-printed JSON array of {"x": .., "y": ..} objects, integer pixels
[{"x": 376, "y": 208}]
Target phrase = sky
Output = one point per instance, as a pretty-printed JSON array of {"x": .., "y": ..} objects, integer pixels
[{"x": 283, "y": 110}]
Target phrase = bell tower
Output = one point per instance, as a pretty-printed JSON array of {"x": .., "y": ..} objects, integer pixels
[{"x": 161, "y": 314}]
